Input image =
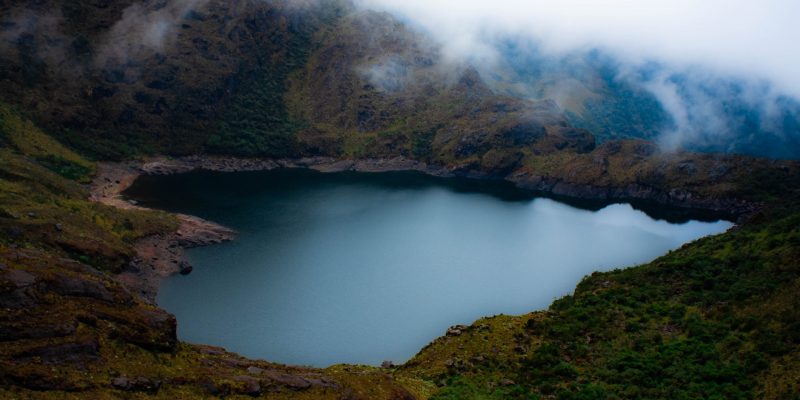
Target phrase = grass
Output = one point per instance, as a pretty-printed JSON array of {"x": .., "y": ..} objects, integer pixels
[
  {"x": 44, "y": 206},
  {"x": 22, "y": 135}
]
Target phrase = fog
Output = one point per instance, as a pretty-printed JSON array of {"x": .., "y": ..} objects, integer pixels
[
  {"x": 144, "y": 29},
  {"x": 723, "y": 70},
  {"x": 734, "y": 37},
  {"x": 723, "y": 73}
]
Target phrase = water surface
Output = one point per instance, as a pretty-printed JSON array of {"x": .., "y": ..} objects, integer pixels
[{"x": 361, "y": 268}]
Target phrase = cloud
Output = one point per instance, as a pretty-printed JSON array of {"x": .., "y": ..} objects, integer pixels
[
  {"x": 391, "y": 73},
  {"x": 718, "y": 67},
  {"x": 144, "y": 28},
  {"x": 754, "y": 39}
]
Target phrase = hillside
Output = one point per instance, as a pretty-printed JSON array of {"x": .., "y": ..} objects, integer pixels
[{"x": 325, "y": 85}]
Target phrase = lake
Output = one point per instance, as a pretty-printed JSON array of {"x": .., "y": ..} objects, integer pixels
[{"x": 361, "y": 268}]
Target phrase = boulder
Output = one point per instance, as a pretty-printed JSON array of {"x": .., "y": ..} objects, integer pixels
[
  {"x": 290, "y": 381},
  {"x": 456, "y": 330},
  {"x": 254, "y": 370},
  {"x": 185, "y": 268}
]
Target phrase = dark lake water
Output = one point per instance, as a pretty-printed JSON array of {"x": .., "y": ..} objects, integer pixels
[{"x": 361, "y": 268}]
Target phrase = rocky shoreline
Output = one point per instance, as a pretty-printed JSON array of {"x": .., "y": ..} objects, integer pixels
[{"x": 161, "y": 256}]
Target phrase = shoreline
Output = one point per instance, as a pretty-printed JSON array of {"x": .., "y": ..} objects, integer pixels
[
  {"x": 632, "y": 192},
  {"x": 161, "y": 256}
]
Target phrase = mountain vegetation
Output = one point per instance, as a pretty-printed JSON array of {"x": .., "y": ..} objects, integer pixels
[{"x": 715, "y": 319}]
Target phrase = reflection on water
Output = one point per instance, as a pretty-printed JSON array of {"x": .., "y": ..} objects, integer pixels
[{"x": 362, "y": 268}]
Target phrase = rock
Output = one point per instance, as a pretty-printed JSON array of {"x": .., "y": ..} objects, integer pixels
[
  {"x": 210, "y": 350},
  {"x": 138, "y": 384},
  {"x": 19, "y": 278},
  {"x": 291, "y": 381},
  {"x": 387, "y": 364},
  {"x": 36, "y": 330},
  {"x": 233, "y": 362},
  {"x": 456, "y": 330},
  {"x": 185, "y": 268},
  {"x": 76, "y": 287},
  {"x": 78, "y": 351},
  {"x": 251, "y": 385},
  {"x": 254, "y": 370}
]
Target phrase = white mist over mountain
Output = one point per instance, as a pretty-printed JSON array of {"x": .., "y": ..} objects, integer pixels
[
  {"x": 755, "y": 39},
  {"x": 144, "y": 28},
  {"x": 699, "y": 47}
]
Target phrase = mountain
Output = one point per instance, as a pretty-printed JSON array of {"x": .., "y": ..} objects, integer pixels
[
  {"x": 328, "y": 84},
  {"x": 689, "y": 108}
]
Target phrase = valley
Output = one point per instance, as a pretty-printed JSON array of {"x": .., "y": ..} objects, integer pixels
[{"x": 96, "y": 96}]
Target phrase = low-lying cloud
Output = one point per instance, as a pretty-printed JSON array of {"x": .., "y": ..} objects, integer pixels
[
  {"x": 697, "y": 57},
  {"x": 144, "y": 28},
  {"x": 737, "y": 37}
]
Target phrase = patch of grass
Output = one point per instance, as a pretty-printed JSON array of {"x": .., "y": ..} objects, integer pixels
[{"x": 22, "y": 135}]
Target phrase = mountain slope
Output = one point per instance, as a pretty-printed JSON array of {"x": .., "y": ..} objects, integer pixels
[{"x": 286, "y": 79}]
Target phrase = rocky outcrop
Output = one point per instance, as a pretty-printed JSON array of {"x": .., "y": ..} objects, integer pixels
[{"x": 162, "y": 255}]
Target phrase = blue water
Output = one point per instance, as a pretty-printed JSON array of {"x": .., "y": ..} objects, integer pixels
[{"x": 360, "y": 268}]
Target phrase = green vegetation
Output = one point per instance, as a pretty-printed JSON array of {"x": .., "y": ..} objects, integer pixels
[
  {"x": 255, "y": 122},
  {"x": 718, "y": 318},
  {"x": 27, "y": 139},
  {"x": 42, "y": 210}
]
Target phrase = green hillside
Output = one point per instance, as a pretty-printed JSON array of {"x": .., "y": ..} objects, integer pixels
[{"x": 279, "y": 79}]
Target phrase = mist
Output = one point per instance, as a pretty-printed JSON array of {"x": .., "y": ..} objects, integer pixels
[
  {"x": 724, "y": 72},
  {"x": 144, "y": 29}
]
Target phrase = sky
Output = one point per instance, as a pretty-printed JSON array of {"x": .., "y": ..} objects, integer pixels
[{"x": 748, "y": 39}]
